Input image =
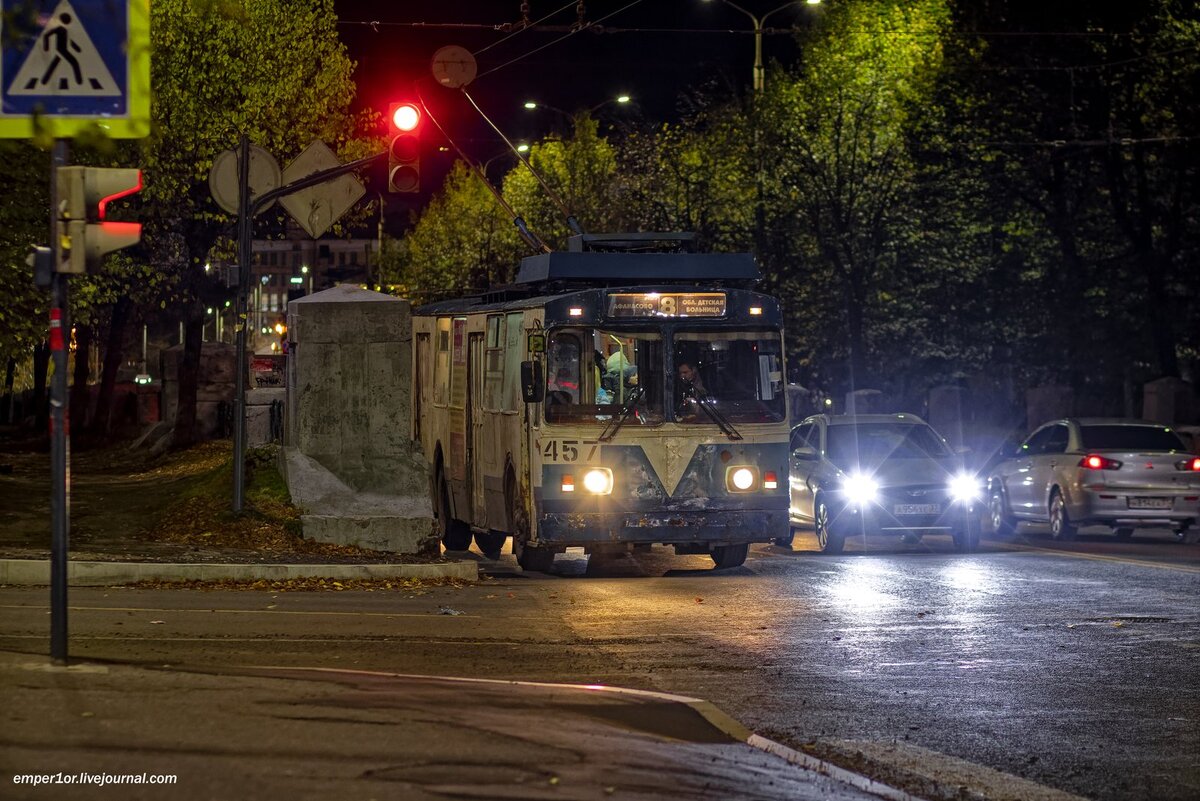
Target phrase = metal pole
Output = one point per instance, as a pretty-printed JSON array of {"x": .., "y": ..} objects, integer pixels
[
  {"x": 60, "y": 446},
  {"x": 244, "y": 256},
  {"x": 758, "y": 65}
]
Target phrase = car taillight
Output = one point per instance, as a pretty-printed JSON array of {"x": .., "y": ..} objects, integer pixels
[
  {"x": 1094, "y": 462},
  {"x": 1192, "y": 465}
]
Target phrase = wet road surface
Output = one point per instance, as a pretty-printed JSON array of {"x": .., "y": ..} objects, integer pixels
[{"x": 1076, "y": 666}]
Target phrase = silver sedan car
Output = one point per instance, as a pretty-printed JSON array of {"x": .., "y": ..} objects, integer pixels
[
  {"x": 1126, "y": 474},
  {"x": 880, "y": 474}
]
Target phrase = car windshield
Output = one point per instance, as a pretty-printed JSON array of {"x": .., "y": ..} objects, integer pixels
[
  {"x": 591, "y": 375},
  {"x": 863, "y": 444},
  {"x": 737, "y": 374},
  {"x": 1129, "y": 438}
]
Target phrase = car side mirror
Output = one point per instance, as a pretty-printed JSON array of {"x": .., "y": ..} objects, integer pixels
[
  {"x": 805, "y": 453},
  {"x": 533, "y": 386}
]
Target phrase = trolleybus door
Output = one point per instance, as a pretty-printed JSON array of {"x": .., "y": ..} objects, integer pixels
[{"x": 476, "y": 447}]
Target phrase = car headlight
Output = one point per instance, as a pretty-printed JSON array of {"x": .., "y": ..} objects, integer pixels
[
  {"x": 860, "y": 489},
  {"x": 965, "y": 488},
  {"x": 598, "y": 481},
  {"x": 741, "y": 479}
]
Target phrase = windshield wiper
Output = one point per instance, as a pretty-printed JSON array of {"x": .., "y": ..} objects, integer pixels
[
  {"x": 635, "y": 395},
  {"x": 720, "y": 419}
]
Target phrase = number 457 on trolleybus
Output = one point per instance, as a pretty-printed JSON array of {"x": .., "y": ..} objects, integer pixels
[{"x": 616, "y": 396}]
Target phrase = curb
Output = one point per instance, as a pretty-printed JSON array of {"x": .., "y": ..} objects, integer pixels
[
  {"x": 721, "y": 721},
  {"x": 36, "y": 572}
]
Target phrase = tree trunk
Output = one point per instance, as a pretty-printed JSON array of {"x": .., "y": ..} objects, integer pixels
[
  {"x": 186, "y": 432},
  {"x": 114, "y": 353},
  {"x": 41, "y": 366},
  {"x": 10, "y": 374},
  {"x": 79, "y": 402}
]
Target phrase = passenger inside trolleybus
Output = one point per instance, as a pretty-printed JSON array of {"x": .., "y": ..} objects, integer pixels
[{"x": 620, "y": 363}]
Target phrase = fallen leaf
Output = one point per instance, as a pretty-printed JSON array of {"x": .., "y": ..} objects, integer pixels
[
  {"x": 158, "y": 622},
  {"x": 699, "y": 600},
  {"x": 1118, "y": 623}
]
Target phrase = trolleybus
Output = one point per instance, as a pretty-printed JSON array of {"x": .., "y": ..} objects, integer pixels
[{"x": 623, "y": 393}]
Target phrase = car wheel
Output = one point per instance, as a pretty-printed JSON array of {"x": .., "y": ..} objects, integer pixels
[
  {"x": 785, "y": 542},
  {"x": 828, "y": 540},
  {"x": 1061, "y": 527},
  {"x": 456, "y": 535},
  {"x": 966, "y": 539},
  {"x": 726, "y": 556},
  {"x": 491, "y": 543},
  {"x": 1124, "y": 533},
  {"x": 1004, "y": 525}
]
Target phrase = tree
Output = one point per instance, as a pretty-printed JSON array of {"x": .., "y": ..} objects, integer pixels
[
  {"x": 845, "y": 171},
  {"x": 269, "y": 69}
]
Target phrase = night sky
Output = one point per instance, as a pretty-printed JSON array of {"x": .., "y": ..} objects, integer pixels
[{"x": 677, "y": 46}]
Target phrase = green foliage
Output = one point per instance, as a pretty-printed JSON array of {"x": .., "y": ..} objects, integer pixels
[
  {"x": 24, "y": 221},
  {"x": 463, "y": 240}
]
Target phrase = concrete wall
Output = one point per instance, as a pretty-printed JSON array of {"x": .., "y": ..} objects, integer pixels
[
  {"x": 216, "y": 384},
  {"x": 349, "y": 410}
]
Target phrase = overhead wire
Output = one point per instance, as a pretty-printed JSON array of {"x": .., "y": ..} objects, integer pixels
[{"x": 588, "y": 26}]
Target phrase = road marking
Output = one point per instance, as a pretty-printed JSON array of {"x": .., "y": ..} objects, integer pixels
[
  {"x": 1125, "y": 560},
  {"x": 237, "y": 611},
  {"x": 940, "y": 775}
]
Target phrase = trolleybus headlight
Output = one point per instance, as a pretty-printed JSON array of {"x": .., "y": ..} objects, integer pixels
[
  {"x": 860, "y": 489},
  {"x": 741, "y": 479},
  {"x": 964, "y": 487},
  {"x": 598, "y": 481}
]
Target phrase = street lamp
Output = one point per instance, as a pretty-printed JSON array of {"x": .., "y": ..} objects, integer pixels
[
  {"x": 759, "y": 24},
  {"x": 533, "y": 105}
]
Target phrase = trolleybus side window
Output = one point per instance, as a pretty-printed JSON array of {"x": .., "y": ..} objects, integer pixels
[
  {"x": 493, "y": 384},
  {"x": 514, "y": 352},
  {"x": 441, "y": 365},
  {"x": 740, "y": 373}
]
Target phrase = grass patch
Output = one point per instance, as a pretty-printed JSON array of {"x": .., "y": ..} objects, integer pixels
[{"x": 201, "y": 514}]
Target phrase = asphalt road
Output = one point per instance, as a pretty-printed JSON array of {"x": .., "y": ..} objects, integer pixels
[{"x": 1075, "y": 667}]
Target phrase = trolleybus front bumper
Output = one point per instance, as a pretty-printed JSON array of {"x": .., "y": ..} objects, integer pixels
[{"x": 712, "y": 527}]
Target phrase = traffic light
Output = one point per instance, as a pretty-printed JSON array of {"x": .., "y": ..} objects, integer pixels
[
  {"x": 83, "y": 196},
  {"x": 404, "y": 151}
]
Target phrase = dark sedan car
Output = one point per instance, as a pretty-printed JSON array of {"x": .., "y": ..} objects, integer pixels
[{"x": 881, "y": 474}]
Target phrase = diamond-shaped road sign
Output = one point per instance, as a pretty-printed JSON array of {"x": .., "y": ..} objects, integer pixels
[
  {"x": 70, "y": 65},
  {"x": 319, "y": 207}
]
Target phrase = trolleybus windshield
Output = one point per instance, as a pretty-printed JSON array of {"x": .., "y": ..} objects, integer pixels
[
  {"x": 590, "y": 372},
  {"x": 739, "y": 374}
]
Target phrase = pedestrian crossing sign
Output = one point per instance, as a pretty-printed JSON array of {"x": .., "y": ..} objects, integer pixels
[{"x": 71, "y": 65}]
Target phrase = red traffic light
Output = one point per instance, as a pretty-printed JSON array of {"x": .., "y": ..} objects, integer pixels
[{"x": 405, "y": 116}]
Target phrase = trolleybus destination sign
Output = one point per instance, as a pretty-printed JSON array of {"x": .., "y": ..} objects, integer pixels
[{"x": 666, "y": 304}]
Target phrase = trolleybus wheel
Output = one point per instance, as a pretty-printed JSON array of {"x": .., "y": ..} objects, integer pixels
[
  {"x": 536, "y": 559},
  {"x": 456, "y": 535},
  {"x": 491, "y": 543},
  {"x": 729, "y": 555}
]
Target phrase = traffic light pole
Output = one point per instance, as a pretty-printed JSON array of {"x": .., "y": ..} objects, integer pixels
[
  {"x": 60, "y": 452},
  {"x": 247, "y": 209}
]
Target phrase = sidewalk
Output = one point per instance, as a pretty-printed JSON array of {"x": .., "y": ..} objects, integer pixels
[{"x": 269, "y": 733}]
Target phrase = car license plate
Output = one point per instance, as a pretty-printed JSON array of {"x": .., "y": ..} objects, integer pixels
[
  {"x": 1149, "y": 503},
  {"x": 917, "y": 509}
]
